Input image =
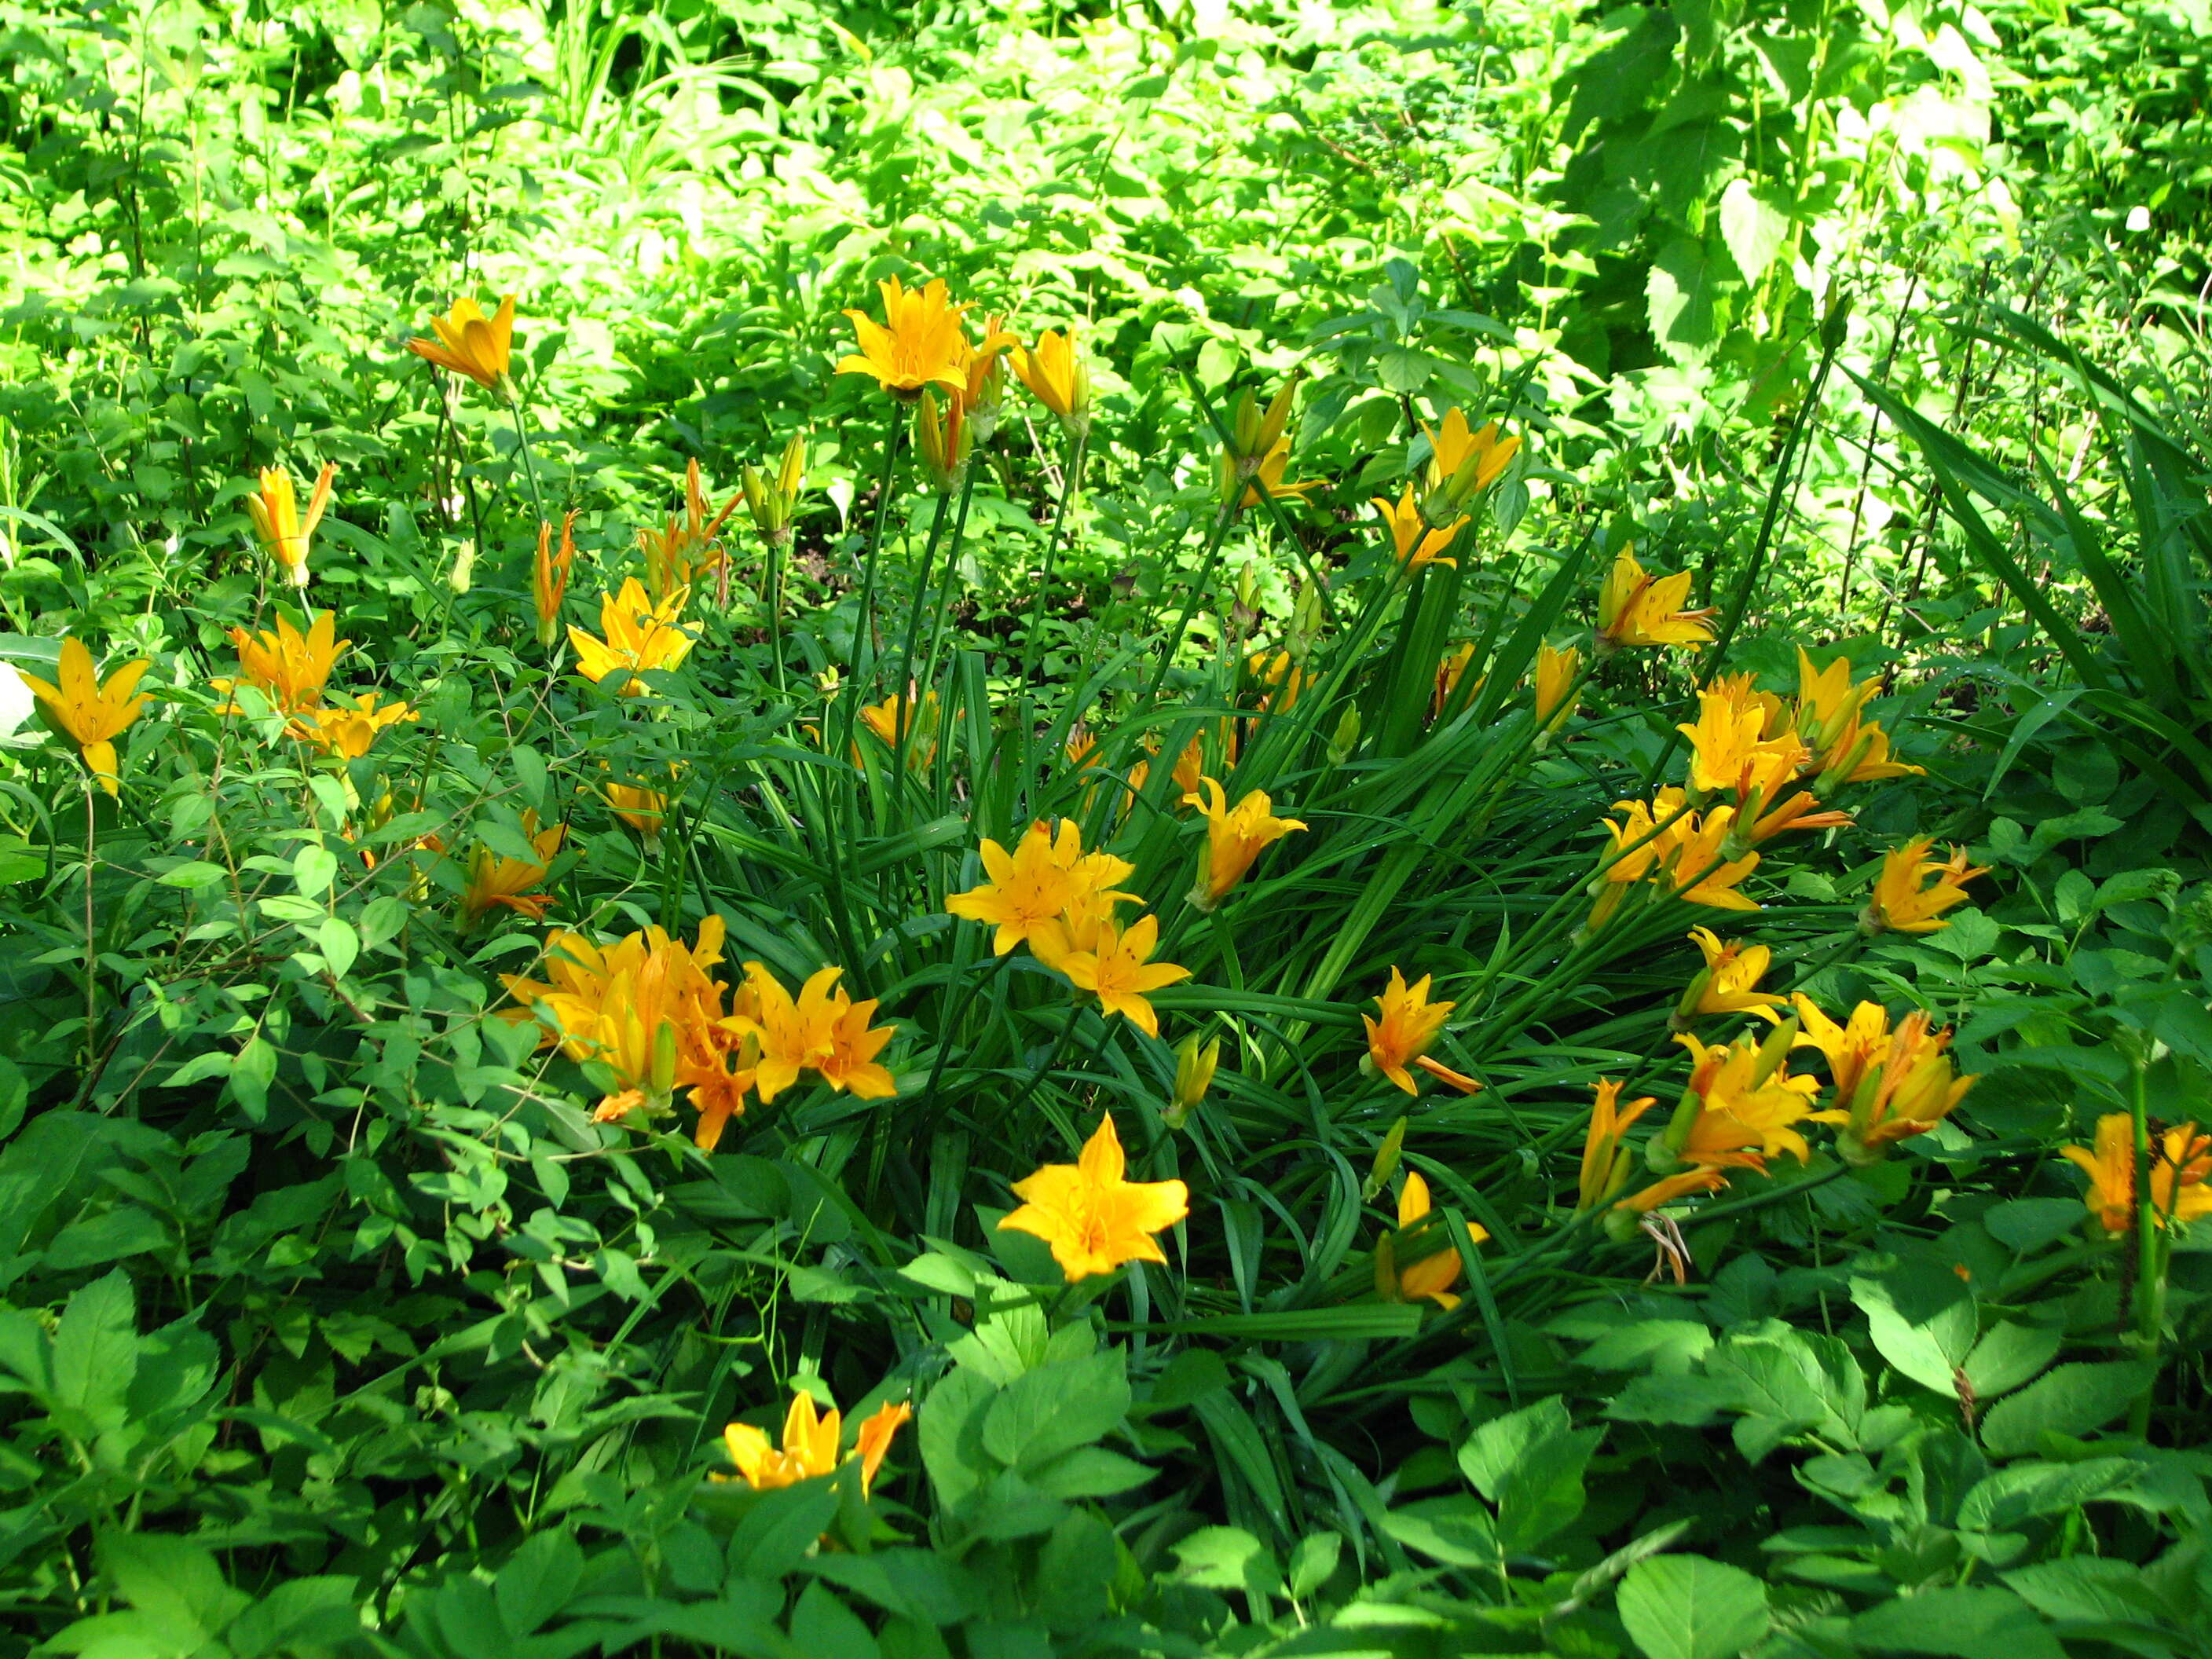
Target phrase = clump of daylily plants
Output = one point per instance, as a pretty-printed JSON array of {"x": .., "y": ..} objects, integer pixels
[{"x": 671, "y": 1030}]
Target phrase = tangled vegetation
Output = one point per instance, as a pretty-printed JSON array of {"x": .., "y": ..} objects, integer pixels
[{"x": 1016, "y": 828}]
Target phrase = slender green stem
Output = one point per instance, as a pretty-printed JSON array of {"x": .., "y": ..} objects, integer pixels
[
  {"x": 2150, "y": 1263},
  {"x": 906, "y": 694},
  {"x": 776, "y": 543},
  {"x": 91, "y": 944},
  {"x": 514, "y": 408},
  {"x": 945, "y": 586},
  {"x": 864, "y": 625},
  {"x": 1206, "y": 564},
  {"x": 1070, "y": 480}
]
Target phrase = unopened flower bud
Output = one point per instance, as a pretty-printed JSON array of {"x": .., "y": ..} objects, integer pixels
[
  {"x": 1194, "y": 1069},
  {"x": 1346, "y": 737}
]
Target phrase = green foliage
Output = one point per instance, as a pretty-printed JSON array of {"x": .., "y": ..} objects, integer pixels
[{"x": 348, "y": 1307}]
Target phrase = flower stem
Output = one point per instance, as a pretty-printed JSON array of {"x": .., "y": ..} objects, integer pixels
[
  {"x": 1228, "y": 516},
  {"x": 1070, "y": 480},
  {"x": 2150, "y": 1264},
  {"x": 522, "y": 443},
  {"x": 864, "y": 625},
  {"x": 91, "y": 952}
]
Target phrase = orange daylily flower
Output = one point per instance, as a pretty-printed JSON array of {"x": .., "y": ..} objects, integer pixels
[
  {"x": 1400, "y": 1038},
  {"x": 1095, "y": 1219},
  {"x": 920, "y": 342},
  {"x": 1901, "y": 904},
  {"x": 471, "y": 343},
  {"x": 78, "y": 705}
]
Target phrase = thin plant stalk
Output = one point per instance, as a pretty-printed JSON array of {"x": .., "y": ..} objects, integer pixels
[
  {"x": 1206, "y": 562},
  {"x": 1070, "y": 480},
  {"x": 864, "y": 627},
  {"x": 514, "y": 408},
  {"x": 91, "y": 950}
]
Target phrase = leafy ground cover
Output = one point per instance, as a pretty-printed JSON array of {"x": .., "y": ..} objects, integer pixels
[{"x": 1002, "y": 830}]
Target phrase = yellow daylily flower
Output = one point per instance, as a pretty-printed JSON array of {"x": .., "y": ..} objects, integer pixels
[
  {"x": 1635, "y": 608},
  {"x": 1556, "y": 696},
  {"x": 471, "y": 343},
  {"x": 1416, "y": 544},
  {"x": 1400, "y": 1038},
  {"x": 283, "y": 533},
  {"x": 75, "y": 705},
  {"x": 895, "y": 718},
  {"x": 920, "y": 342},
  {"x": 1046, "y": 875},
  {"x": 1058, "y": 378},
  {"x": 1901, "y": 904},
  {"x": 288, "y": 668},
  {"x": 1605, "y": 1162},
  {"x": 1095, "y": 1219},
  {"x": 824, "y": 1031},
  {"x": 1429, "y": 1278},
  {"x": 1234, "y": 837},
  {"x": 1462, "y": 463},
  {"x": 1114, "y": 963},
  {"x": 686, "y": 548},
  {"x": 346, "y": 731},
  {"x": 1265, "y": 479},
  {"x": 2181, "y": 1164},
  {"x": 496, "y": 879},
  {"x": 1890, "y": 1085},
  {"x": 1728, "y": 983},
  {"x": 549, "y": 579},
  {"x": 641, "y": 636},
  {"x": 810, "y": 1446},
  {"x": 1740, "y": 1108}
]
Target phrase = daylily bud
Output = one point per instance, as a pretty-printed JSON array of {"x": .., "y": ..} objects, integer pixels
[
  {"x": 773, "y": 504},
  {"x": 1346, "y": 738},
  {"x": 1194, "y": 1069},
  {"x": 1685, "y": 1010},
  {"x": 1775, "y": 1050},
  {"x": 1305, "y": 624},
  {"x": 1621, "y": 1225},
  {"x": 1386, "y": 1157},
  {"x": 1836, "y": 323},
  {"x": 664, "y": 1060},
  {"x": 943, "y": 441}
]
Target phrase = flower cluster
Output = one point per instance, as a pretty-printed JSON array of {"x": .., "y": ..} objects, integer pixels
[
  {"x": 291, "y": 671},
  {"x": 1743, "y": 1106},
  {"x": 648, "y": 1009},
  {"x": 1060, "y": 901},
  {"x": 1750, "y": 752}
]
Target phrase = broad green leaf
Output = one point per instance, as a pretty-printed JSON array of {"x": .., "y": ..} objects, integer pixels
[
  {"x": 1754, "y": 222},
  {"x": 1227, "y": 1558},
  {"x": 1053, "y": 1409},
  {"x": 1927, "y": 1344},
  {"x": 1682, "y": 301},
  {"x": 2020, "y": 1492},
  {"x": 1488, "y": 1458},
  {"x": 2008, "y": 1355},
  {"x": 1962, "y": 1623},
  {"x": 95, "y": 1353},
  {"x": 1685, "y": 1607},
  {"x": 2072, "y": 1400}
]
